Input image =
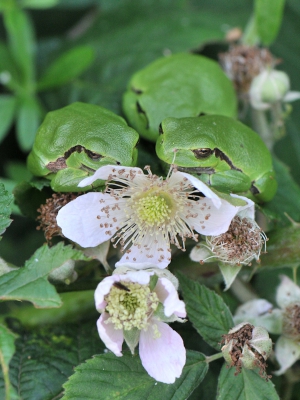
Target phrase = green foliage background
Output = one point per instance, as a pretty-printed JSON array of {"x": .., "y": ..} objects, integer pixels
[{"x": 115, "y": 38}]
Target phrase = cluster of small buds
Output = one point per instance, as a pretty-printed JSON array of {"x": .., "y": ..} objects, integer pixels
[
  {"x": 247, "y": 346},
  {"x": 48, "y": 213}
]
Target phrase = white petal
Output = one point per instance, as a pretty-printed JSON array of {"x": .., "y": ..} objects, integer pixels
[
  {"x": 141, "y": 277},
  {"x": 287, "y": 353},
  {"x": 152, "y": 251},
  {"x": 168, "y": 295},
  {"x": 291, "y": 96},
  {"x": 163, "y": 358},
  {"x": 111, "y": 337},
  {"x": 287, "y": 292},
  {"x": 102, "y": 290},
  {"x": 80, "y": 219},
  {"x": 201, "y": 186},
  {"x": 104, "y": 172},
  {"x": 247, "y": 211},
  {"x": 212, "y": 221}
]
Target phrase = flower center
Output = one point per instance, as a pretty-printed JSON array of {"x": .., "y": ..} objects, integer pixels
[
  {"x": 130, "y": 305},
  {"x": 291, "y": 322},
  {"x": 153, "y": 210}
]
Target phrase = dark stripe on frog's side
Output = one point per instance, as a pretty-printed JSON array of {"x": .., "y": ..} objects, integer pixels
[
  {"x": 210, "y": 171},
  {"x": 141, "y": 111},
  {"x": 60, "y": 163}
]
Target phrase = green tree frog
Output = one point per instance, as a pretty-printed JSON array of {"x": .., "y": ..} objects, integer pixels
[
  {"x": 180, "y": 85},
  {"x": 76, "y": 140},
  {"x": 223, "y": 152}
]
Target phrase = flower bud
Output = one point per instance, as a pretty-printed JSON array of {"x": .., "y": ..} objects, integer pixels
[
  {"x": 268, "y": 87},
  {"x": 247, "y": 346},
  {"x": 64, "y": 274}
]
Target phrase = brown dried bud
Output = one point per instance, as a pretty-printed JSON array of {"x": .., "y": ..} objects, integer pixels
[{"x": 48, "y": 213}]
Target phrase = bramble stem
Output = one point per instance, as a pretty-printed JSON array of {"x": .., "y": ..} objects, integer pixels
[{"x": 214, "y": 357}]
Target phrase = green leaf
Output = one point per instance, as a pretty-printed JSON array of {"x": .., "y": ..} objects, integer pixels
[
  {"x": 206, "y": 310},
  {"x": 287, "y": 198},
  {"x": 268, "y": 17},
  {"x": 39, "y": 3},
  {"x": 127, "y": 38},
  {"x": 6, "y": 200},
  {"x": 29, "y": 196},
  {"x": 46, "y": 357},
  {"x": 7, "y": 111},
  {"x": 125, "y": 378},
  {"x": 21, "y": 42},
  {"x": 67, "y": 67},
  {"x": 246, "y": 385},
  {"x": 30, "y": 282},
  {"x": 7, "y": 349},
  {"x": 28, "y": 120}
]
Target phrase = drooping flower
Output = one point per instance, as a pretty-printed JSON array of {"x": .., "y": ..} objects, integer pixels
[
  {"x": 238, "y": 246},
  {"x": 134, "y": 307},
  {"x": 284, "y": 321},
  {"x": 145, "y": 213}
]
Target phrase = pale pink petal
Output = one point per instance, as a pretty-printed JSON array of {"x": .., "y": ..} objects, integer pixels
[
  {"x": 201, "y": 186},
  {"x": 151, "y": 251},
  {"x": 91, "y": 219},
  {"x": 106, "y": 171},
  {"x": 209, "y": 220},
  {"x": 287, "y": 292},
  {"x": 163, "y": 358},
  {"x": 168, "y": 296},
  {"x": 287, "y": 353},
  {"x": 111, "y": 337},
  {"x": 102, "y": 290}
]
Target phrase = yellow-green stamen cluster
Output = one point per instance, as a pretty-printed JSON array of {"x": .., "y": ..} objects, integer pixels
[
  {"x": 152, "y": 210},
  {"x": 132, "y": 306}
]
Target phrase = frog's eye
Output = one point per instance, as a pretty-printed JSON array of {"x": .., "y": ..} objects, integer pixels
[{"x": 202, "y": 153}]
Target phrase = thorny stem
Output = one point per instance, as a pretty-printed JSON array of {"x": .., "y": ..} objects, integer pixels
[
  {"x": 213, "y": 357},
  {"x": 261, "y": 125}
]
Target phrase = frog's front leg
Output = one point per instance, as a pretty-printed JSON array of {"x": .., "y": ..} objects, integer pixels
[
  {"x": 265, "y": 187},
  {"x": 231, "y": 181}
]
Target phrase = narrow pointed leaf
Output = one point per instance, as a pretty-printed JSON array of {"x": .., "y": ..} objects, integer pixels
[
  {"x": 268, "y": 17},
  {"x": 6, "y": 200},
  {"x": 7, "y": 111},
  {"x": 67, "y": 67}
]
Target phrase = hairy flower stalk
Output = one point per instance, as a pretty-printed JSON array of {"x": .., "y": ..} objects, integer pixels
[
  {"x": 145, "y": 214},
  {"x": 134, "y": 307}
]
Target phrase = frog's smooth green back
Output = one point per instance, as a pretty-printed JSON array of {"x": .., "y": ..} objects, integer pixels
[{"x": 181, "y": 85}]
